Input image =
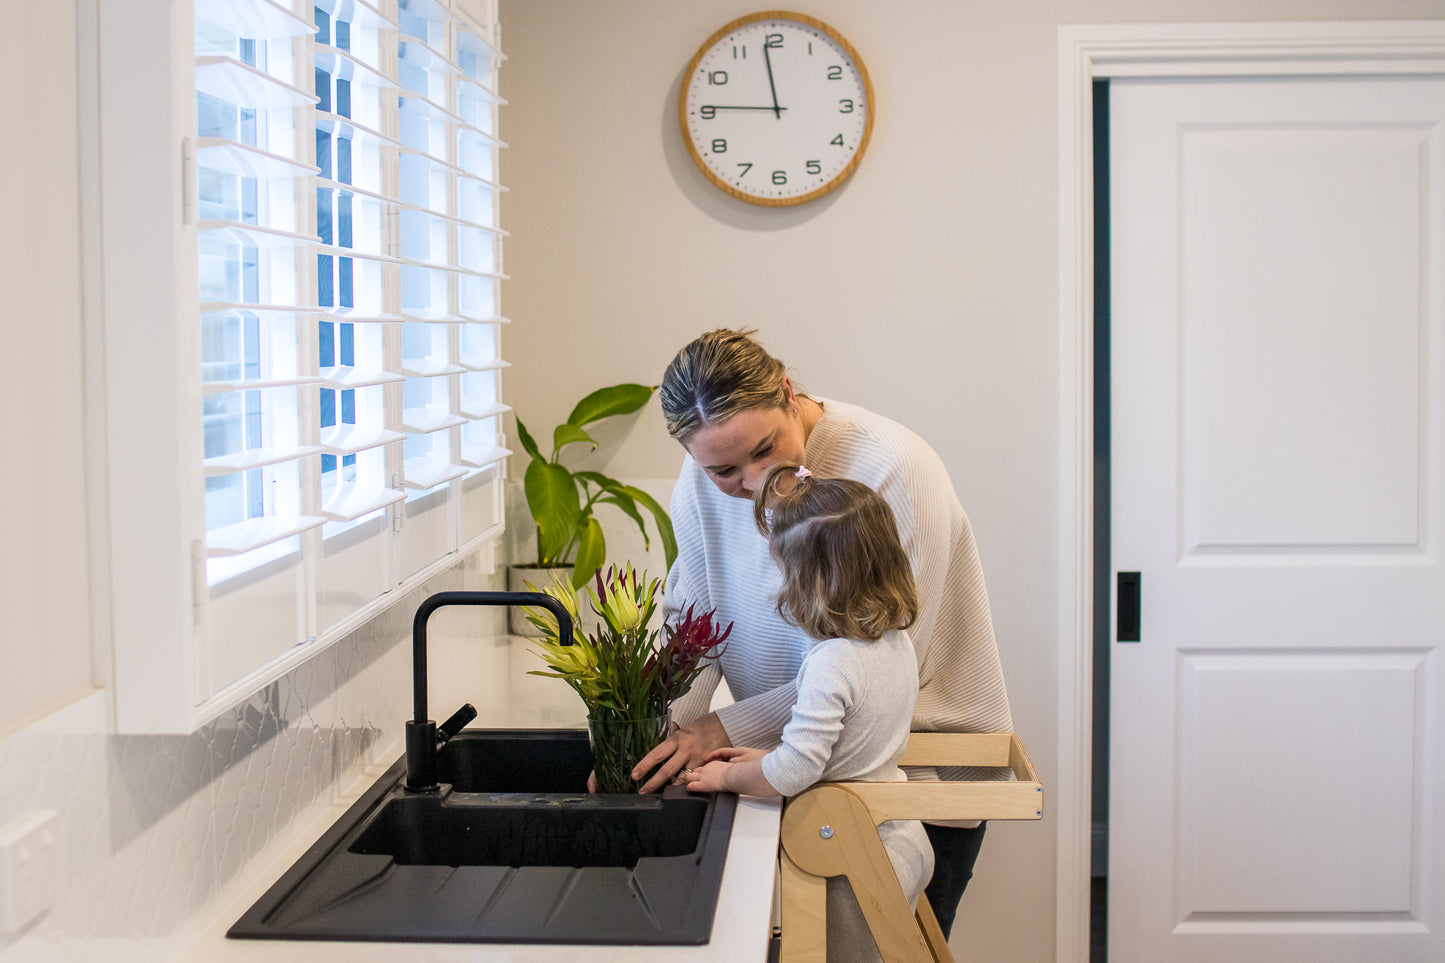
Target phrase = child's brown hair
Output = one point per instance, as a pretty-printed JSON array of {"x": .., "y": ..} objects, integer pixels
[{"x": 845, "y": 574}]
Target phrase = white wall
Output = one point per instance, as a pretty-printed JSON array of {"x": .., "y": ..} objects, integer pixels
[
  {"x": 924, "y": 289},
  {"x": 43, "y": 585}
]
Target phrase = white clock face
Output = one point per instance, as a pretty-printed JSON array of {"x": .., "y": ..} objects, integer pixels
[{"x": 776, "y": 111}]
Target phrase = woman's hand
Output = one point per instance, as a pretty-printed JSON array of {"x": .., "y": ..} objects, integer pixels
[{"x": 686, "y": 747}]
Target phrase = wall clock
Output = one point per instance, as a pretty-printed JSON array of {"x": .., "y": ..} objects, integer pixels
[{"x": 776, "y": 108}]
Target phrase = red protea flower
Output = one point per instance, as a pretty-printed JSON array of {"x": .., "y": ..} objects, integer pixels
[{"x": 692, "y": 641}]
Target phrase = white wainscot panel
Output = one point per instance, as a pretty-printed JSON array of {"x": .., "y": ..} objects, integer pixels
[
  {"x": 481, "y": 502},
  {"x": 353, "y": 570},
  {"x": 1303, "y": 393},
  {"x": 429, "y": 532},
  {"x": 249, "y": 629},
  {"x": 1266, "y": 830}
]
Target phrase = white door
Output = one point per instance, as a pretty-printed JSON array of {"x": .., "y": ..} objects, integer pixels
[{"x": 1277, "y": 761}]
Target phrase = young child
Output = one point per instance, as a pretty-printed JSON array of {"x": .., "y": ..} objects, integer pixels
[{"x": 848, "y": 585}]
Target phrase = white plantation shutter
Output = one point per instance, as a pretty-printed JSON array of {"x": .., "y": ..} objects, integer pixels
[
  {"x": 339, "y": 189},
  {"x": 252, "y": 169}
]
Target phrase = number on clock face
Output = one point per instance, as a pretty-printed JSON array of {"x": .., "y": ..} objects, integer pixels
[{"x": 776, "y": 111}]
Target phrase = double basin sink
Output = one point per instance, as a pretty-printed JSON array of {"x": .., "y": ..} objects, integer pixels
[{"x": 510, "y": 849}]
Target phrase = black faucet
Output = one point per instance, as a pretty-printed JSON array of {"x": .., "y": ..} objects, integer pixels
[{"x": 423, "y": 738}]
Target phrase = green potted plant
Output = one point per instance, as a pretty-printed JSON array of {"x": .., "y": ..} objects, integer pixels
[{"x": 563, "y": 502}]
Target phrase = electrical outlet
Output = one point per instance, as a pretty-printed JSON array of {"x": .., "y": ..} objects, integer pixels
[{"x": 27, "y": 868}]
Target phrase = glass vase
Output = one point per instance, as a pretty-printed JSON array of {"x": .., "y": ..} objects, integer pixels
[{"x": 618, "y": 744}]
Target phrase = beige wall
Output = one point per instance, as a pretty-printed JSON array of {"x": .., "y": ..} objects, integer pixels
[
  {"x": 43, "y": 585},
  {"x": 925, "y": 289}
]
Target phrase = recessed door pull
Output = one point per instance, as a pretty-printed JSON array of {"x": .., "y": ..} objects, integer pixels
[{"x": 1127, "y": 605}]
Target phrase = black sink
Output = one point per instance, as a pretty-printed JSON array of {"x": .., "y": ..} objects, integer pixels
[
  {"x": 510, "y": 849},
  {"x": 533, "y": 830},
  {"x": 517, "y": 760}
]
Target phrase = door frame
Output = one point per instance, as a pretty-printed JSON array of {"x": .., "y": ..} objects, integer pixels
[{"x": 1087, "y": 53}]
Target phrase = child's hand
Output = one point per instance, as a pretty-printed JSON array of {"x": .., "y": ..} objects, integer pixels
[
  {"x": 710, "y": 778},
  {"x": 731, "y": 769},
  {"x": 734, "y": 754}
]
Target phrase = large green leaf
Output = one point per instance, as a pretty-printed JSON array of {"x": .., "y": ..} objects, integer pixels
[
  {"x": 601, "y": 481},
  {"x": 629, "y": 507},
  {"x": 565, "y": 435},
  {"x": 636, "y": 495},
  {"x": 591, "y": 552},
  {"x": 556, "y": 508},
  {"x": 605, "y": 402},
  {"x": 660, "y": 518},
  {"x": 617, "y": 496},
  {"x": 528, "y": 445}
]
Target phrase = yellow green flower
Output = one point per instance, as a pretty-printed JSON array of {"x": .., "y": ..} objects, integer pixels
[
  {"x": 623, "y": 669},
  {"x": 624, "y": 598}
]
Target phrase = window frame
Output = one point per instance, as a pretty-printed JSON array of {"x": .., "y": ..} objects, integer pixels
[{"x": 145, "y": 401}]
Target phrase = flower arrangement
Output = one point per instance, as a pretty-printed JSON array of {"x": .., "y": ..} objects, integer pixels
[{"x": 626, "y": 673}]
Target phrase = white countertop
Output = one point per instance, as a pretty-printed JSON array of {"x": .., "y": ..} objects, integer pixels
[{"x": 741, "y": 924}]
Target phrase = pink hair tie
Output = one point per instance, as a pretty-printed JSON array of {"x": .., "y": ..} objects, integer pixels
[{"x": 804, "y": 473}]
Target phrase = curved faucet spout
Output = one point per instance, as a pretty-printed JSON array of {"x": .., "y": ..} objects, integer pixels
[{"x": 421, "y": 732}]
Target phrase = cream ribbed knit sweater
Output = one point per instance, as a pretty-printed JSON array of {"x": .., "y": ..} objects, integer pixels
[
  {"x": 723, "y": 562},
  {"x": 855, "y": 700},
  {"x": 851, "y": 722}
]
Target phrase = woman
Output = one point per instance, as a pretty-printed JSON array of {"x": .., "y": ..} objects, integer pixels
[{"x": 736, "y": 412}]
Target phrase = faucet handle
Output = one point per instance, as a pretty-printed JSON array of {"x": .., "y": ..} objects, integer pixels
[{"x": 454, "y": 725}]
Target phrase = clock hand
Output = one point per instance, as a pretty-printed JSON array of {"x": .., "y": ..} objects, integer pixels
[
  {"x": 730, "y": 107},
  {"x": 767, "y": 59}
]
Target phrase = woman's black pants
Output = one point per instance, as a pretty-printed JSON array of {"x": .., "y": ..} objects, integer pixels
[{"x": 954, "y": 853}]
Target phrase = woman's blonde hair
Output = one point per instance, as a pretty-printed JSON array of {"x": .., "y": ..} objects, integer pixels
[
  {"x": 845, "y": 574},
  {"x": 716, "y": 376}
]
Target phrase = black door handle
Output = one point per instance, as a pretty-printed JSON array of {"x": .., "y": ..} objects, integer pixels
[{"x": 1127, "y": 628}]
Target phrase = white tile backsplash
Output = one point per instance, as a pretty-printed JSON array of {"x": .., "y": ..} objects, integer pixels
[{"x": 158, "y": 832}]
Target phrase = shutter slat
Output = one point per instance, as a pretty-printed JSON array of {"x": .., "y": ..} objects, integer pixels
[
  {"x": 240, "y": 233},
  {"x": 243, "y": 160},
  {"x": 433, "y": 367},
  {"x": 358, "y": 315},
  {"x": 349, "y": 439},
  {"x": 257, "y": 458},
  {"x": 465, "y": 31},
  {"x": 241, "y": 307},
  {"x": 252, "y": 534},
  {"x": 353, "y": 377},
  {"x": 363, "y": 13},
  {"x": 348, "y": 66},
  {"x": 476, "y": 412},
  {"x": 482, "y": 365},
  {"x": 424, "y": 421},
  {"x": 351, "y": 502},
  {"x": 481, "y": 457},
  {"x": 421, "y": 474},
  {"x": 256, "y": 20},
  {"x": 236, "y": 83},
  {"x": 252, "y": 384},
  {"x": 344, "y": 127}
]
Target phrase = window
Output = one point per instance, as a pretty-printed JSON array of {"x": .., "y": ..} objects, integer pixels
[{"x": 338, "y": 423}]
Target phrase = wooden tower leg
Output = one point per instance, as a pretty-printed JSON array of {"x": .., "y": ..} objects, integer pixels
[
  {"x": 827, "y": 832},
  {"x": 932, "y": 932},
  {"x": 805, "y": 921}
]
